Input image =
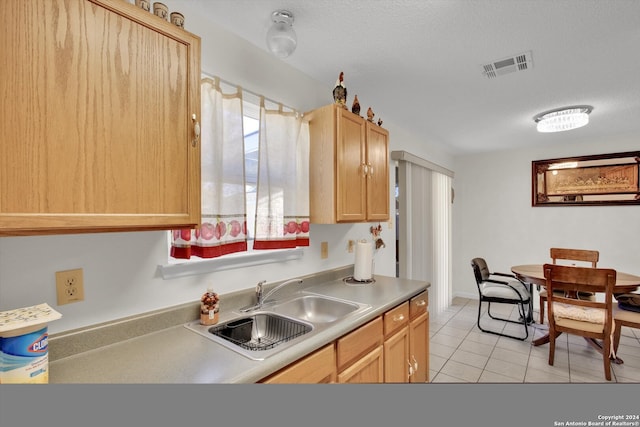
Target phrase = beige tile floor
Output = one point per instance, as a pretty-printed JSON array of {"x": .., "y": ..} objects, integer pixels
[{"x": 460, "y": 352}]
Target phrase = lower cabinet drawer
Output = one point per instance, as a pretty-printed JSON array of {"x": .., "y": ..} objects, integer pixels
[
  {"x": 418, "y": 305},
  {"x": 318, "y": 367},
  {"x": 356, "y": 344},
  {"x": 395, "y": 319}
]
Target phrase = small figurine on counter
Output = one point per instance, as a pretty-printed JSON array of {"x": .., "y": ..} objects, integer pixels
[
  {"x": 355, "y": 108},
  {"x": 370, "y": 115},
  {"x": 340, "y": 92},
  {"x": 209, "y": 307},
  {"x": 379, "y": 122}
]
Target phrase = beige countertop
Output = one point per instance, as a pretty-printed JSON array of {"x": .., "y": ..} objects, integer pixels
[{"x": 176, "y": 354}]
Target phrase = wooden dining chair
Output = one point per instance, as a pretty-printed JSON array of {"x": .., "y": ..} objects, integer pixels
[
  {"x": 590, "y": 319},
  {"x": 622, "y": 318},
  {"x": 583, "y": 255}
]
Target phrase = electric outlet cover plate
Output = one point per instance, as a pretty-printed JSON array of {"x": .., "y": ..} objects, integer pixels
[{"x": 69, "y": 286}]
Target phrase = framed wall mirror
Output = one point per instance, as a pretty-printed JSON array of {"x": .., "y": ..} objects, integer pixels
[{"x": 604, "y": 179}]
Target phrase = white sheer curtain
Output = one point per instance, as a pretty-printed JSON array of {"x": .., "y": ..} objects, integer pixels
[
  {"x": 424, "y": 229},
  {"x": 282, "y": 206},
  {"x": 223, "y": 227}
]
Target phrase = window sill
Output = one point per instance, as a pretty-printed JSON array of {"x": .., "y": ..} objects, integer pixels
[{"x": 184, "y": 268}]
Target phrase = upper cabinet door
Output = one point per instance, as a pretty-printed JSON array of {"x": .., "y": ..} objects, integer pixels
[
  {"x": 378, "y": 173},
  {"x": 351, "y": 168},
  {"x": 98, "y": 121}
]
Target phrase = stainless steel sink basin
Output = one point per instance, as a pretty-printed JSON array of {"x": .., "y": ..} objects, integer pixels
[
  {"x": 256, "y": 336},
  {"x": 277, "y": 326},
  {"x": 316, "y": 308}
]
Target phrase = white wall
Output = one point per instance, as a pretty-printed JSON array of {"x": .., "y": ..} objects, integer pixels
[
  {"x": 493, "y": 217},
  {"x": 121, "y": 269}
]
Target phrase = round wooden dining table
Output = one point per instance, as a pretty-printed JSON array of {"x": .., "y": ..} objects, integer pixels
[{"x": 534, "y": 274}]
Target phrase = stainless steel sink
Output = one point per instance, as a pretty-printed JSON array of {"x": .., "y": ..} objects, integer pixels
[
  {"x": 256, "y": 336},
  {"x": 315, "y": 308},
  {"x": 277, "y": 326}
]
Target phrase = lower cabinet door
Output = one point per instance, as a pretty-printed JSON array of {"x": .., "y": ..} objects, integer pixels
[
  {"x": 368, "y": 369},
  {"x": 419, "y": 348},
  {"x": 396, "y": 357}
]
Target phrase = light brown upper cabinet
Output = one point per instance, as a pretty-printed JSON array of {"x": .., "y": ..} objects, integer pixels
[
  {"x": 348, "y": 167},
  {"x": 99, "y": 118}
]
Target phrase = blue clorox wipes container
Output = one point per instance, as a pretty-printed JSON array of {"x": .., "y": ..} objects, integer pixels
[{"x": 24, "y": 353}]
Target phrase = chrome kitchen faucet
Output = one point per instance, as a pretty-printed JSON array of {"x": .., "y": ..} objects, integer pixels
[{"x": 261, "y": 299}]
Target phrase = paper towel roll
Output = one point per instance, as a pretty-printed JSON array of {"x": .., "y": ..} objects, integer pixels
[{"x": 364, "y": 261}]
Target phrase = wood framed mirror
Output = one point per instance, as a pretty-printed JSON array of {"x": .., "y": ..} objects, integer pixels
[{"x": 603, "y": 179}]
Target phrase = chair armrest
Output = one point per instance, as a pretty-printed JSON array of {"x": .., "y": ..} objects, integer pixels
[
  {"x": 500, "y": 282},
  {"x": 513, "y": 276},
  {"x": 509, "y": 285},
  {"x": 505, "y": 275}
]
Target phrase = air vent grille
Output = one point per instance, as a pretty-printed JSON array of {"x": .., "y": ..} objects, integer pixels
[{"x": 511, "y": 64}]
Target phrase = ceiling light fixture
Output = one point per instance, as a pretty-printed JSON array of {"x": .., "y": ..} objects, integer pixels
[
  {"x": 562, "y": 119},
  {"x": 281, "y": 38}
]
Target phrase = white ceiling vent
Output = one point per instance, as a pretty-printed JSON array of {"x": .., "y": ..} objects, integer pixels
[{"x": 511, "y": 64}]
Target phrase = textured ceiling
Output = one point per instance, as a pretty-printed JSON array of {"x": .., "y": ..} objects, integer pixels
[{"x": 418, "y": 63}]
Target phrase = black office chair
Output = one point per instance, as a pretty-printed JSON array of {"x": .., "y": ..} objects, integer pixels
[{"x": 506, "y": 290}]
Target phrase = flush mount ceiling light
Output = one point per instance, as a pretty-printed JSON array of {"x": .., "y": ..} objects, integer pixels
[
  {"x": 562, "y": 119},
  {"x": 281, "y": 38}
]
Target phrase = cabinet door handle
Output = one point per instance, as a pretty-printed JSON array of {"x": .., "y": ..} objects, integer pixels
[
  {"x": 196, "y": 131},
  {"x": 398, "y": 318},
  {"x": 421, "y": 303},
  {"x": 370, "y": 169},
  {"x": 415, "y": 363},
  {"x": 365, "y": 170}
]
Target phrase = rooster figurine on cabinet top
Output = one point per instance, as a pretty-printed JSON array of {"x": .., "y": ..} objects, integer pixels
[
  {"x": 370, "y": 114},
  {"x": 340, "y": 91},
  {"x": 355, "y": 108}
]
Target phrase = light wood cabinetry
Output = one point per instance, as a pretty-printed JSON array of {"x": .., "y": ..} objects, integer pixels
[
  {"x": 396, "y": 344},
  {"x": 318, "y": 367},
  {"x": 368, "y": 369},
  {"x": 360, "y": 356},
  {"x": 349, "y": 167},
  {"x": 378, "y": 173},
  {"x": 97, "y": 129},
  {"x": 396, "y": 356},
  {"x": 419, "y": 338}
]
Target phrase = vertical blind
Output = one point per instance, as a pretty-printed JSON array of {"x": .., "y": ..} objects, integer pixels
[
  {"x": 425, "y": 226},
  {"x": 442, "y": 216}
]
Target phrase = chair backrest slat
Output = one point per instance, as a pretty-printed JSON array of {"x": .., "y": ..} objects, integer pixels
[
  {"x": 580, "y": 279},
  {"x": 585, "y": 255}
]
